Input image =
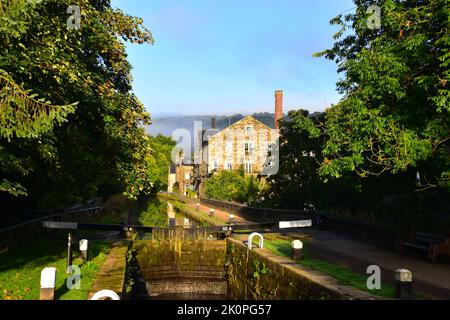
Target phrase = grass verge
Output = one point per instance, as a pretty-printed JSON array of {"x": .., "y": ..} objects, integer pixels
[
  {"x": 21, "y": 266},
  {"x": 342, "y": 275}
]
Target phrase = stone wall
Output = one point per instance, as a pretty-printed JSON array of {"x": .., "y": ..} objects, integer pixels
[{"x": 260, "y": 275}]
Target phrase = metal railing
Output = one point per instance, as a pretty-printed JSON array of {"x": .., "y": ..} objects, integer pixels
[{"x": 18, "y": 233}]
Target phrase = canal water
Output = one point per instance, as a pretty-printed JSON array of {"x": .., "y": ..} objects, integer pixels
[{"x": 169, "y": 265}]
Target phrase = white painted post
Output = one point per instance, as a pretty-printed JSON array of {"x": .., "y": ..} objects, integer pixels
[
  {"x": 69, "y": 253},
  {"x": 250, "y": 240},
  {"x": 48, "y": 283},
  {"x": 211, "y": 213},
  {"x": 129, "y": 233},
  {"x": 231, "y": 218},
  {"x": 403, "y": 284},
  {"x": 104, "y": 294},
  {"x": 84, "y": 249},
  {"x": 297, "y": 250},
  {"x": 186, "y": 223},
  {"x": 197, "y": 206}
]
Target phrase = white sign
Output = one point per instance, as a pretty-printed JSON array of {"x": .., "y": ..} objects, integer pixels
[
  {"x": 48, "y": 278},
  {"x": 295, "y": 224},
  {"x": 83, "y": 245},
  {"x": 59, "y": 225}
]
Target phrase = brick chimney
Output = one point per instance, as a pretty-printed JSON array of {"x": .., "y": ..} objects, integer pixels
[{"x": 278, "y": 107}]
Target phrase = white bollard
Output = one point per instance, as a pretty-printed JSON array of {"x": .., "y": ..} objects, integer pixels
[
  {"x": 403, "y": 284},
  {"x": 48, "y": 283},
  {"x": 197, "y": 206},
  {"x": 297, "y": 250},
  {"x": 231, "y": 218},
  {"x": 211, "y": 213},
  {"x": 84, "y": 249}
]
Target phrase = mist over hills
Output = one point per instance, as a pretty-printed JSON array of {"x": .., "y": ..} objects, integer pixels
[{"x": 168, "y": 124}]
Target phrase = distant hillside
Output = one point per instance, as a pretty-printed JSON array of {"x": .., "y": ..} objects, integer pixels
[{"x": 167, "y": 125}]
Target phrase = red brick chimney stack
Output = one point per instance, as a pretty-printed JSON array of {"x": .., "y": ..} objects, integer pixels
[{"x": 278, "y": 107}]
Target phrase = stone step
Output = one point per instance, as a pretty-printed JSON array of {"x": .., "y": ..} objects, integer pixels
[
  {"x": 210, "y": 274},
  {"x": 183, "y": 285}
]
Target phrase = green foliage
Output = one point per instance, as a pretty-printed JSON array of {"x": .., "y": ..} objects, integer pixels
[
  {"x": 159, "y": 163},
  {"x": 382, "y": 153},
  {"x": 154, "y": 214},
  {"x": 55, "y": 153},
  {"x": 22, "y": 115},
  {"x": 14, "y": 189},
  {"x": 21, "y": 268},
  {"x": 396, "y": 110},
  {"x": 389, "y": 199},
  {"x": 234, "y": 185},
  {"x": 296, "y": 184}
]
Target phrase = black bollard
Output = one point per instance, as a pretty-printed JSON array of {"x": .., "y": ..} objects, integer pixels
[
  {"x": 403, "y": 284},
  {"x": 69, "y": 254}
]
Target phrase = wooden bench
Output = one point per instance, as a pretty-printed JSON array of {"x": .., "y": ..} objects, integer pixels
[{"x": 430, "y": 244}]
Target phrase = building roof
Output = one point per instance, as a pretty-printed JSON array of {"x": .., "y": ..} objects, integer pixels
[{"x": 253, "y": 118}]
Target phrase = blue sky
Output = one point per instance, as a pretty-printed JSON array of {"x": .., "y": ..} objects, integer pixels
[{"x": 229, "y": 56}]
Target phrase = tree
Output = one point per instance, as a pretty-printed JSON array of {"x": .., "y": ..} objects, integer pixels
[
  {"x": 160, "y": 161},
  {"x": 234, "y": 185},
  {"x": 66, "y": 153},
  {"x": 297, "y": 183},
  {"x": 395, "y": 113}
]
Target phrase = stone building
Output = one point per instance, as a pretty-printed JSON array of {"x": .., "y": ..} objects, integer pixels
[
  {"x": 172, "y": 177},
  {"x": 180, "y": 176},
  {"x": 184, "y": 177},
  {"x": 248, "y": 144}
]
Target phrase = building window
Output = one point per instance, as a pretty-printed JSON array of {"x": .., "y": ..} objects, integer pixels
[
  {"x": 215, "y": 165},
  {"x": 248, "y": 167},
  {"x": 248, "y": 129},
  {"x": 228, "y": 166},
  {"x": 269, "y": 150},
  {"x": 229, "y": 148},
  {"x": 248, "y": 148}
]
